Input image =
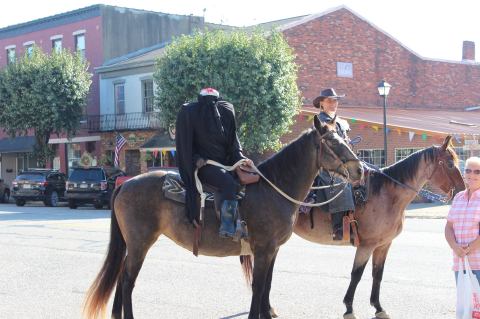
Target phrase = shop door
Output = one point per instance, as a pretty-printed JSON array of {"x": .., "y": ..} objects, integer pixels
[{"x": 132, "y": 162}]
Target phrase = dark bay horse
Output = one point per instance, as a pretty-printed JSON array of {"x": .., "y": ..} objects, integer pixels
[
  {"x": 381, "y": 219},
  {"x": 141, "y": 213}
]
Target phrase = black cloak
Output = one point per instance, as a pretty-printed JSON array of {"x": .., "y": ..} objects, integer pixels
[{"x": 208, "y": 131}]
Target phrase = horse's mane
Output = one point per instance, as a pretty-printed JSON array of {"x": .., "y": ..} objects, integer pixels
[
  {"x": 281, "y": 163},
  {"x": 403, "y": 171}
]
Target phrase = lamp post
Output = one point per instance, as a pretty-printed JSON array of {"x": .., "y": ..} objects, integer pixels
[{"x": 383, "y": 90}]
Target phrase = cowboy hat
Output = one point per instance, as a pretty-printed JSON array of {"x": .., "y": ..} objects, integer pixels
[{"x": 327, "y": 93}]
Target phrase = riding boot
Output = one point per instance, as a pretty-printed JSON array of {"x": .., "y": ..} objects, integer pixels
[
  {"x": 228, "y": 216},
  {"x": 337, "y": 225}
]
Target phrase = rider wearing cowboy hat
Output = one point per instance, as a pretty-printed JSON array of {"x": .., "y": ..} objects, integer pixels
[{"x": 327, "y": 101}]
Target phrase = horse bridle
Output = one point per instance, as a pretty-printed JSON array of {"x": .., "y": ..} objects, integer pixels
[
  {"x": 323, "y": 143},
  {"x": 442, "y": 163}
]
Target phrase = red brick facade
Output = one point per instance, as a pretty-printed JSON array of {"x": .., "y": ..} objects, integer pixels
[{"x": 342, "y": 36}]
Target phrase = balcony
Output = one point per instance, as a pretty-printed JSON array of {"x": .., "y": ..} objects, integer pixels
[{"x": 122, "y": 122}]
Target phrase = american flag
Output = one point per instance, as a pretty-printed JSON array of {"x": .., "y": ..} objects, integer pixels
[{"x": 120, "y": 141}]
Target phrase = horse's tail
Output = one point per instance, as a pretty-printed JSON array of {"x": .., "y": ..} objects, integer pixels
[
  {"x": 247, "y": 267},
  {"x": 100, "y": 290}
]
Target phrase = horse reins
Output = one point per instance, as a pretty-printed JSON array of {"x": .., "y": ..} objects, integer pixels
[
  {"x": 203, "y": 196},
  {"x": 420, "y": 191}
]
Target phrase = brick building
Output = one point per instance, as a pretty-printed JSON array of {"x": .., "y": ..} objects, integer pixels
[
  {"x": 428, "y": 100},
  {"x": 100, "y": 33}
]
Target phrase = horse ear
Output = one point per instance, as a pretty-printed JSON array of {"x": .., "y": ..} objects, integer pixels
[
  {"x": 447, "y": 142},
  {"x": 319, "y": 125}
]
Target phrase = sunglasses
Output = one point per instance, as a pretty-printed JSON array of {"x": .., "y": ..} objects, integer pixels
[{"x": 474, "y": 171}]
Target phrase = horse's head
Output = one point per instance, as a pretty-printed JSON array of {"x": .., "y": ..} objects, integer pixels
[
  {"x": 334, "y": 155},
  {"x": 445, "y": 174}
]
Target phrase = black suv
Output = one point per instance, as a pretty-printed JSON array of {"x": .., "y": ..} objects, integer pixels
[
  {"x": 46, "y": 185},
  {"x": 91, "y": 185},
  {"x": 4, "y": 192}
]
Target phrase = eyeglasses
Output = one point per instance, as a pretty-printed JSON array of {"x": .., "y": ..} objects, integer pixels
[{"x": 474, "y": 171}]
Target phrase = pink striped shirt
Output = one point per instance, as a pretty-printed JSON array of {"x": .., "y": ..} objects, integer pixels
[{"x": 465, "y": 216}]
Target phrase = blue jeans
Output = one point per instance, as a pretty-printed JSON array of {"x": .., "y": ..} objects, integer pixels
[{"x": 475, "y": 272}]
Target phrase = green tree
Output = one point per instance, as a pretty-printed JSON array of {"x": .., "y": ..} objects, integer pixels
[
  {"x": 255, "y": 72},
  {"x": 44, "y": 95}
]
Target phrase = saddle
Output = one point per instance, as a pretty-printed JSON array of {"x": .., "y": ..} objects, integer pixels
[{"x": 174, "y": 189}]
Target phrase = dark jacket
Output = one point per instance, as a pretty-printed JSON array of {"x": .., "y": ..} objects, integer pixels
[
  {"x": 344, "y": 202},
  {"x": 342, "y": 126},
  {"x": 204, "y": 131}
]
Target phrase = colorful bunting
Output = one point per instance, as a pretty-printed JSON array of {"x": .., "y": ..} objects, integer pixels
[
  {"x": 424, "y": 136},
  {"x": 353, "y": 120},
  {"x": 375, "y": 128},
  {"x": 411, "y": 135}
]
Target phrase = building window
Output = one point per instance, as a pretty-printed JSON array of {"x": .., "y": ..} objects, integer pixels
[
  {"x": 73, "y": 154},
  {"x": 80, "y": 45},
  {"x": 11, "y": 57},
  {"x": 344, "y": 70},
  {"x": 463, "y": 154},
  {"x": 57, "y": 45},
  {"x": 147, "y": 95},
  {"x": 401, "y": 153},
  {"x": 29, "y": 50},
  {"x": 119, "y": 89},
  {"x": 371, "y": 156}
]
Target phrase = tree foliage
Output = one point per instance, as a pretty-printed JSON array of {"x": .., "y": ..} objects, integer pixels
[
  {"x": 45, "y": 94},
  {"x": 255, "y": 72}
]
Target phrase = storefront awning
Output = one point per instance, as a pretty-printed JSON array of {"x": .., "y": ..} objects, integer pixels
[
  {"x": 20, "y": 144},
  {"x": 159, "y": 142}
]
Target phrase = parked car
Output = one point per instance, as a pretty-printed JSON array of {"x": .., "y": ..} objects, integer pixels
[
  {"x": 4, "y": 192},
  {"x": 91, "y": 185},
  {"x": 46, "y": 185}
]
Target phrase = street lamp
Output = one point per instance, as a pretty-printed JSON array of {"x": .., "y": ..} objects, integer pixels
[{"x": 383, "y": 89}]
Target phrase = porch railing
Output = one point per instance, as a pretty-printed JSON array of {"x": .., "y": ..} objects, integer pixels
[{"x": 118, "y": 122}]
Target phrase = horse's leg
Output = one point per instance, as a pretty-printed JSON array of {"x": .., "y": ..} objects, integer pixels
[
  {"x": 117, "y": 301},
  {"x": 261, "y": 265},
  {"x": 266, "y": 307},
  {"x": 361, "y": 258},
  {"x": 133, "y": 264},
  {"x": 378, "y": 263}
]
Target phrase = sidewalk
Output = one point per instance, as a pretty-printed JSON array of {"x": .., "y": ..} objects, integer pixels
[{"x": 423, "y": 210}]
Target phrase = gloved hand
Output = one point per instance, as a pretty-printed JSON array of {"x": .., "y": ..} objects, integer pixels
[
  {"x": 201, "y": 162},
  {"x": 248, "y": 162}
]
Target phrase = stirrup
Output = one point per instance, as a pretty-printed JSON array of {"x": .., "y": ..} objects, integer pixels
[{"x": 241, "y": 231}]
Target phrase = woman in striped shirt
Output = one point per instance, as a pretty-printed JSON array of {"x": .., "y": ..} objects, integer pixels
[{"x": 463, "y": 221}]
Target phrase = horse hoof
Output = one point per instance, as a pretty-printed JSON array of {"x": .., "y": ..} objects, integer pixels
[
  {"x": 349, "y": 316},
  {"x": 273, "y": 313},
  {"x": 382, "y": 315}
]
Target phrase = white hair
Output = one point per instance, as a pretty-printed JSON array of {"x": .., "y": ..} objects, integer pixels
[{"x": 472, "y": 160}]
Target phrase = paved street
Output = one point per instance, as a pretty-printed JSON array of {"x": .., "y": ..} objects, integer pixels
[{"x": 49, "y": 257}]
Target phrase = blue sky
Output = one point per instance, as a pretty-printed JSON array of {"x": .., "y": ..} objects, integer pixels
[{"x": 433, "y": 29}]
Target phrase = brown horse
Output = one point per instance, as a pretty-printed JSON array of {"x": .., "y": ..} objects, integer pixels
[
  {"x": 381, "y": 218},
  {"x": 141, "y": 213}
]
